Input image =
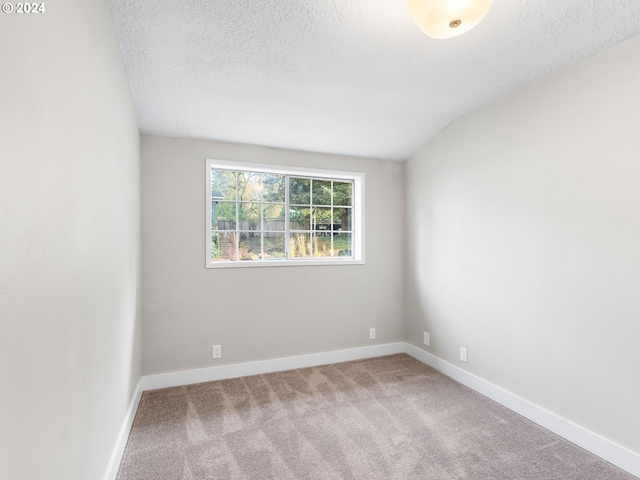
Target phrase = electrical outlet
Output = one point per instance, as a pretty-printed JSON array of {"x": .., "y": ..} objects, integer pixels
[
  {"x": 427, "y": 339},
  {"x": 217, "y": 351},
  {"x": 463, "y": 354},
  {"x": 372, "y": 334}
]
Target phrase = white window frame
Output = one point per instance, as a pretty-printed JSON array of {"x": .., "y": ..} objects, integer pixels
[{"x": 357, "y": 235}]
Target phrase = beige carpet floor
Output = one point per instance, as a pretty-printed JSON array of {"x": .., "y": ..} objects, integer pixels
[{"x": 383, "y": 418}]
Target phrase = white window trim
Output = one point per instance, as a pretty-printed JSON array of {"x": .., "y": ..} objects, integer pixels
[{"x": 357, "y": 214}]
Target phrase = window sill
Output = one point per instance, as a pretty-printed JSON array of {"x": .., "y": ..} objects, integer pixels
[{"x": 282, "y": 263}]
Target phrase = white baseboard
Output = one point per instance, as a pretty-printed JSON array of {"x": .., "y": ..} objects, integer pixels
[
  {"x": 590, "y": 441},
  {"x": 123, "y": 435},
  {"x": 174, "y": 379},
  {"x": 606, "y": 449}
]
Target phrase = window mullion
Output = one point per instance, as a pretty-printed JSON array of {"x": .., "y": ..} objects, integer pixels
[
  {"x": 287, "y": 227},
  {"x": 237, "y": 229},
  {"x": 311, "y": 218},
  {"x": 333, "y": 220}
]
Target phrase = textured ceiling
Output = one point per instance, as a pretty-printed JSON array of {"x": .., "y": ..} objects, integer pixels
[{"x": 354, "y": 77}]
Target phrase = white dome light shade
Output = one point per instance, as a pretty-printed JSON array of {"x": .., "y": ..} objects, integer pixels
[{"x": 448, "y": 18}]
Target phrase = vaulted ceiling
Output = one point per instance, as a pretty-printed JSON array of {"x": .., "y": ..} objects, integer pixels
[{"x": 352, "y": 77}]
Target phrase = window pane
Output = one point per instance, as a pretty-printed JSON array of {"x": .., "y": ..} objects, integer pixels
[
  {"x": 321, "y": 192},
  {"x": 322, "y": 245},
  {"x": 250, "y": 245},
  {"x": 274, "y": 246},
  {"x": 223, "y": 246},
  {"x": 299, "y": 218},
  {"x": 299, "y": 191},
  {"x": 343, "y": 193},
  {"x": 342, "y": 219},
  {"x": 223, "y": 215},
  {"x": 223, "y": 185},
  {"x": 250, "y": 186},
  {"x": 300, "y": 245},
  {"x": 273, "y": 188},
  {"x": 249, "y": 216},
  {"x": 342, "y": 245},
  {"x": 273, "y": 217},
  {"x": 322, "y": 219}
]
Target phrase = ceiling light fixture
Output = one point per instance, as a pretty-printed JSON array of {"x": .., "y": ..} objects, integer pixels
[{"x": 448, "y": 18}]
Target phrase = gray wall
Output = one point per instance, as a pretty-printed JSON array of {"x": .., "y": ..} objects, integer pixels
[
  {"x": 267, "y": 312},
  {"x": 69, "y": 240},
  {"x": 524, "y": 243}
]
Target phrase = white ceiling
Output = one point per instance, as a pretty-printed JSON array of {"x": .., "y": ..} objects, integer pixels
[{"x": 353, "y": 77}]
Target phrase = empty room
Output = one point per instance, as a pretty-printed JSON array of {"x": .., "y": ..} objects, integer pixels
[{"x": 328, "y": 239}]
